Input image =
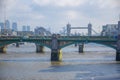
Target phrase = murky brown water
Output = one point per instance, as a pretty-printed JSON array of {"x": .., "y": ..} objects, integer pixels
[{"x": 96, "y": 63}]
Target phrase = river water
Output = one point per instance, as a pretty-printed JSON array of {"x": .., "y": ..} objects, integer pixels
[{"x": 96, "y": 63}]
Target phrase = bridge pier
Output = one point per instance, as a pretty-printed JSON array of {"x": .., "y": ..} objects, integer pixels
[
  {"x": 3, "y": 49},
  {"x": 39, "y": 49},
  {"x": 17, "y": 44},
  {"x": 117, "y": 55},
  {"x": 81, "y": 46},
  {"x": 76, "y": 44},
  {"x": 118, "y": 49},
  {"x": 56, "y": 55}
]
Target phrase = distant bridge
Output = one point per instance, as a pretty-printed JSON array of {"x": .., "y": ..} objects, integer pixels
[{"x": 57, "y": 42}]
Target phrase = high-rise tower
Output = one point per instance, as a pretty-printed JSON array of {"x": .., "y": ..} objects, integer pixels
[
  {"x": 14, "y": 26},
  {"x": 7, "y": 24}
]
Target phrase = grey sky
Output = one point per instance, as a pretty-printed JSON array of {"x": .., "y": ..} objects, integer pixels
[{"x": 57, "y": 13}]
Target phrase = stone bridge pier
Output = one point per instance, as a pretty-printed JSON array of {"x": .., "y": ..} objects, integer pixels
[
  {"x": 39, "y": 48},
  {"x": 56, "y": 54},
  {"x": 118, "y": 49},
  {"x": 81, "y": 47},
  {"x": 3, "y": 49},
  {"x": 17, "y": 44}
]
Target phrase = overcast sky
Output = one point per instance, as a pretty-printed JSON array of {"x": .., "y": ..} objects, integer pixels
[{"x": 57, "y": 13}]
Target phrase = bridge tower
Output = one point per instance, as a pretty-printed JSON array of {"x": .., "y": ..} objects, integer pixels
[
  {"x": 89, "y": 29},
  {"x": 68, "y": 29}
]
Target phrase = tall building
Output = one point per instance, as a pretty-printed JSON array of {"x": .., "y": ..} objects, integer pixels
[
  {"x": 14, "y": 26},
  {"x": 28, "y": 28},
  {"x": 24, "y": 28},
  {"x": 1, "y": 25},
  {"x": 110, "y": 30},
  {"x": 7, "y": 24}
]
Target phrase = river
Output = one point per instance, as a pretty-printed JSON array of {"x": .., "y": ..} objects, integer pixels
[{"x": 23, "y": 63}]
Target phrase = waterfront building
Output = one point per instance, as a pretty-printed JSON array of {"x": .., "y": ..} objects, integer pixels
[{"x": 110, "y": 30}]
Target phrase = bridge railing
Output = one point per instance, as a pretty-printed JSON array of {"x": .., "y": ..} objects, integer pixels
[
  {"x": 86, "y": 38},
  {"x": 59, "y": 38}
]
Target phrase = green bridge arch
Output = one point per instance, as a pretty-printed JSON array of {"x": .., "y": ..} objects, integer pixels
[{"x": 10, "y": 42}]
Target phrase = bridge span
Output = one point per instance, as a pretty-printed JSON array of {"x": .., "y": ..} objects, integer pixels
[{"x": 57, "y": 42}]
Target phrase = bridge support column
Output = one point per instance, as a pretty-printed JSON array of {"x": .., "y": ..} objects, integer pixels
[
  {"x": 81, "y": 46},
  {"x": 76, "y": 44},
  {"x": 56, "y": 55},
  {"x": 117, "y": 55},
  {"x": 39, "y": 49},
  {"x": 3, "y": 49},
  {"x": 17, "y": 44},
  {"x": 118, "y": 49}
]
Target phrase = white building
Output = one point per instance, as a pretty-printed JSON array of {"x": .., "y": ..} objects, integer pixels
[{"x": 110, "y": 30}]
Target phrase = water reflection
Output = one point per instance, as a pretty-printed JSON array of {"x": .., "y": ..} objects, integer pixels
[{"x": 56, "y": 63}]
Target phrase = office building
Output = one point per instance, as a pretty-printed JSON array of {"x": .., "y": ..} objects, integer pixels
[
  {"x": 14, "y": 26},
  {"x": 110, "y": 30},
  {"x": 28, "y": 28},
  {"x": 24, "y": 28},
  {"x": 7, "y": 24},
  {"x": 1, "y": 25}
]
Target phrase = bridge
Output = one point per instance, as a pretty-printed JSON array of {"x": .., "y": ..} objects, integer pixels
[
  {"x": 89, "y": 27},
  {"x": 57, "y": 42}
]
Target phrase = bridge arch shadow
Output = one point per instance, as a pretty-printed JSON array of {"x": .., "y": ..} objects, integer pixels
[
  {"x": 99, "y": 47},
  {"x": 23, "y": 47},
  {"x": 91, "y": 51},
  {"x": 97, "y": 43}
]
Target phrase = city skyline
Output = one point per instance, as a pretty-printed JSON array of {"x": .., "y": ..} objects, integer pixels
[{"x": 56, "y": 14}]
